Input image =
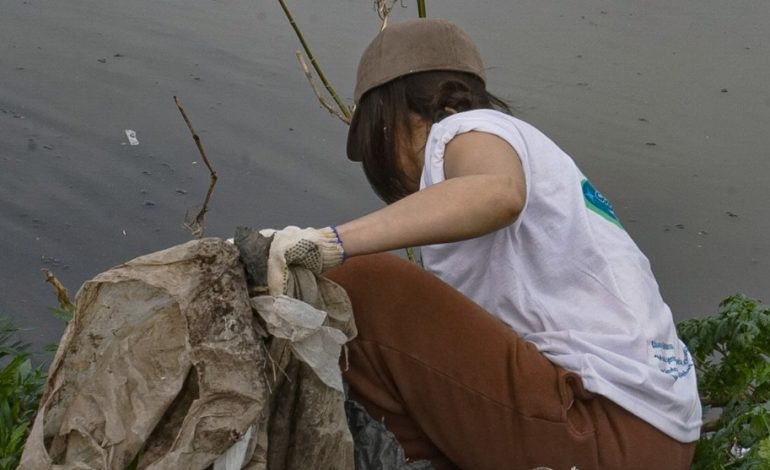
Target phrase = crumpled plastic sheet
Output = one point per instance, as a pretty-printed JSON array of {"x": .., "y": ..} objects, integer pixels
[
  {"x": 166, "y": 365},
  {"x": 302, "y": 325},
  {"x": 160, "y": 361},
  {"x": 174, "y": 361}
]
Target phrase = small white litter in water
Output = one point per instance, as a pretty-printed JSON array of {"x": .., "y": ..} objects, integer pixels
[
  {"x": 132, "y": 140},
  {"x": 124, "y": 232}
]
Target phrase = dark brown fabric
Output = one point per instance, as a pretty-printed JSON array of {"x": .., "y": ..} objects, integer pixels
[
  {"x": 458, "y": 387},
  {"x": 417, "y": 45}
]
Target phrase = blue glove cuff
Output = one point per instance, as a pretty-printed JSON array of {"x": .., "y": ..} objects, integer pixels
[{"x": 339, "y": 241}]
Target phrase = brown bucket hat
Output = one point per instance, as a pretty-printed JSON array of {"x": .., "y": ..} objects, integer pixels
[{"x": 418, "y": 45}]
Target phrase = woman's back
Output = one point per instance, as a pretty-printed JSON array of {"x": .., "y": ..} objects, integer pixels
[{"x": 567, "y": 277}]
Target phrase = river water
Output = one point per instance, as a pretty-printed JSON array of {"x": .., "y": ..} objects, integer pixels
[{"x": 665, "y": 105}]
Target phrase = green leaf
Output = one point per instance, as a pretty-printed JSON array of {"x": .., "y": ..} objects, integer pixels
[
  {"x": 731, "y": 351},
  {"x": 763, "y": 450},
  {"x": 21, "y": 385}
]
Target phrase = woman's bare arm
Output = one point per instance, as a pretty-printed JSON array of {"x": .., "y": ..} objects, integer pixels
[{"x": 483, "y": 192}]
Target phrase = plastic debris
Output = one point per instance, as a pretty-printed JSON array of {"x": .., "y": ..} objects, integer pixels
[
  {"x": 131, "y": 135},
  {"x": 167, "y": 363},
  {"x": 175, "y": 360}
]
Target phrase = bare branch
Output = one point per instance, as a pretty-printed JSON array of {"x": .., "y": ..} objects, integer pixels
[
  {"x": 329, "y": 107},
  {"x": 196, "y": 227},
  {"x": 343, "y": 108},
  {"x": 61, "y": 292},
  {"x": 383, "y": 10}
]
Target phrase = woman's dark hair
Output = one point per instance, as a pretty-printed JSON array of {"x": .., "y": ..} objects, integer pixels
[{"x": 381, "y": 125}]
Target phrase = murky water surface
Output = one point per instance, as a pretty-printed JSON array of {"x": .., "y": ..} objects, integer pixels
[{"x": 666, "y": 106}]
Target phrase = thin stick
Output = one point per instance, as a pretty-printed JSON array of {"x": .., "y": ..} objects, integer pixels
[
  {"x": 383, "y": 10},
  {"x": 317, "y": 91},
  {"x": 421, "y": 9},
  {"x": 196, "y": 138},
  {"x": 272, "y": 362},
  {"x": 342, "y": 106},
  {"x": 61, "y": 292},
  {"x": 196, "y": 227}
]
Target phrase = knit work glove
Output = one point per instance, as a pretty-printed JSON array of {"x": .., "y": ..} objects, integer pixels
[{"x": 314, "y": 249}]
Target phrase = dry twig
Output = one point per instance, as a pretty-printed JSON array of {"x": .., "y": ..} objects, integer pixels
[
  {"x": 329, "y": 107},
  {"x": 383, "y": 8},
  {"x": 61, "y": 292},
  {"x": 196, "y": 226},
  {"x": 343, "y": 108}
]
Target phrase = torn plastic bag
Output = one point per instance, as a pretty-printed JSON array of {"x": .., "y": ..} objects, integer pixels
[
  {"x": 164, "y": 364},
  {"x": 169, "y": 364},
  {"x": 160, "y": 361}
]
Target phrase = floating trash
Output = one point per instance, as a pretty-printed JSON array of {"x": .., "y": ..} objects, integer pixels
[{"x": 131, "y": 135}]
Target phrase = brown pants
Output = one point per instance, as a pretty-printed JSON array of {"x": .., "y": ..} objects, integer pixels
[{"x": 458, "y": 387}]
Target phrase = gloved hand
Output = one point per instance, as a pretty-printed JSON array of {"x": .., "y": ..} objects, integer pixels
[{"x": 314, "y": 249}]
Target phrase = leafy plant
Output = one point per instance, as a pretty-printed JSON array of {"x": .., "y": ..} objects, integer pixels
[
  {"x": 21, "y": 385},
  {"x": 731, "y": 351}
]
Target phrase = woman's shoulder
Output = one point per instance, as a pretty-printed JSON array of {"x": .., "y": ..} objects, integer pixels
[
  {"x": 488, "y": 121},
  {"x": 482, "y": 115},
  {"x": 484, "y": 120},
  {"x": 491, "y": 121}
]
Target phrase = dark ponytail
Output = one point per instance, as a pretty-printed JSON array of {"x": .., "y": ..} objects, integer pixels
[
  {"x": 436, "y": 95},
  {"x": 453, "y": 97}
]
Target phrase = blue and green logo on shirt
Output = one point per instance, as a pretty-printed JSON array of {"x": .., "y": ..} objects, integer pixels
[{"x": 596, "y": 202}]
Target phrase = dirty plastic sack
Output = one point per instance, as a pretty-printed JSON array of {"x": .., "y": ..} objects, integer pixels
[
  {"x": 165, "y": 364},
  {"x": 160, "y": 360},
  {"x": 307, "y": 426},
  {"x": 374, "y": 446},
  {"x": 169, "y": 364}
]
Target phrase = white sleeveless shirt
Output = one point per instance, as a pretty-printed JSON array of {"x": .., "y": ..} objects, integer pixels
[{"x": 567, "y": 277}]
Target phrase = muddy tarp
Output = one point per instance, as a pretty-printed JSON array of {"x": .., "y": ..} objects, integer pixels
[{"x": 165, "y": 362}]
